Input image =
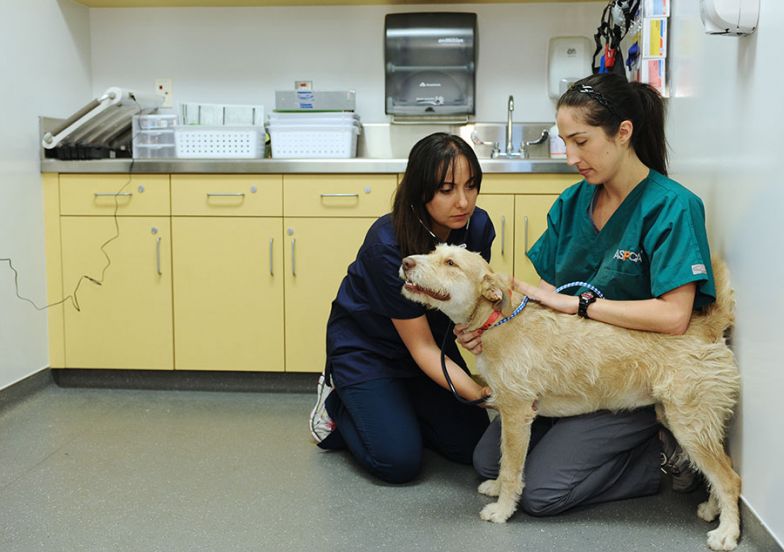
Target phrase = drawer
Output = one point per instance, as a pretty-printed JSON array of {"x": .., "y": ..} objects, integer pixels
[
  {"x": 101, "y": 194},
  {"x": 229, "y": 195},
  {"x": 345, "y": 195}
]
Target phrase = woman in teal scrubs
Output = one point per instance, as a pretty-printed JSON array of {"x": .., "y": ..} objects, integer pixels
[{"x": 640, "y": 238}]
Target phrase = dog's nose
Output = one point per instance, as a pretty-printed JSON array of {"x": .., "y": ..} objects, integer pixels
[{"x": 408, "y": 263}]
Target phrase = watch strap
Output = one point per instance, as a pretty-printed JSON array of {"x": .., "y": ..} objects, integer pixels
[{"x": 586, "y": 298}]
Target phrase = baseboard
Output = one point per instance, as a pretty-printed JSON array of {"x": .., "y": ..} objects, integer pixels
[
  {"x": 753, "y": 528},
  {"x": 181, "y": 380},
  {"x": 25, "y": 387}
]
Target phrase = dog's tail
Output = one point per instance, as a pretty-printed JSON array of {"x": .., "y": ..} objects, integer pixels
[{"x": 720, "y": 315}]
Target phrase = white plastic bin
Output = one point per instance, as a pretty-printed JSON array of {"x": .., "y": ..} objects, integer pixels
[
  {"x": 314, "y": 141},
  {"x": 201, "y": 142}
]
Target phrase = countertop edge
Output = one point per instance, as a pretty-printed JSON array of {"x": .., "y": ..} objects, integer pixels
[{"x": 286, "y": 166}]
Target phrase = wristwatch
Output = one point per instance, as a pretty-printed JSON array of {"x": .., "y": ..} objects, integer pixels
[{"x": 586, "y": 298}]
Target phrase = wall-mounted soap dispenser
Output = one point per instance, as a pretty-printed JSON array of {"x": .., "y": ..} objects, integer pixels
[{"x": 569, "y": 60}]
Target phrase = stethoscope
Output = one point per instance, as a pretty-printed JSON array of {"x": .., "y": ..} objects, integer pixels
[{"x": 436, "y": 239}]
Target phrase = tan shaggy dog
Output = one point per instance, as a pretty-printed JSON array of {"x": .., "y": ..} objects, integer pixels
[{"x": 532, "y": 366}]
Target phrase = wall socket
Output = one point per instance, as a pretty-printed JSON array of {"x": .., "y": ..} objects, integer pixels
[{"x": 163, "y": 87}]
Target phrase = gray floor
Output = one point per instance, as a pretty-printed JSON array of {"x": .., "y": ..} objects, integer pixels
[{"x": 121, "y": 470}]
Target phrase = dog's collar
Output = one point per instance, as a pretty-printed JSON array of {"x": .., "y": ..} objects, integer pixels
[
  {"x": 492, "y": 320},
  {"x": 495, "y": 315},
  {"x": 515, "y": 312}
]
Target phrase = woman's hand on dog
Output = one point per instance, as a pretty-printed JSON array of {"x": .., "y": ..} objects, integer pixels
[
  {"x": 472, "y": 341},
  {"x": 546, "y": 295}
]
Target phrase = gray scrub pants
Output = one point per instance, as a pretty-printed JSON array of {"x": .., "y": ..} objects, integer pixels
[{"x": 581, "y": 460}]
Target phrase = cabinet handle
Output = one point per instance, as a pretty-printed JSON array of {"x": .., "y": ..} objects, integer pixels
[
  {"x": 525, "y": 234},
  {"x": 158, "y": 255},
  {"x": 503, "y": 235},
  {"x": 113, "y": 194},
  {"x": 228, "y": 194},
  {"x": 293, "y": 257},
  {"x": 340, "y": 195},
  {"x": 272, "y": 240}
]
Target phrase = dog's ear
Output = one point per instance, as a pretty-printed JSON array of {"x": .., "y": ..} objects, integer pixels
[{"x": 495, "y": 290}]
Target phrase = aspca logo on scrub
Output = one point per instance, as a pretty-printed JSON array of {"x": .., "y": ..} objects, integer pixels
[{"x": 624, "y": 255}]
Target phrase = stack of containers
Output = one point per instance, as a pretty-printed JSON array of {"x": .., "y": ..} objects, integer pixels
[
  {"x": 314, "y": 135},
  {"x": 153, "y": 136}
]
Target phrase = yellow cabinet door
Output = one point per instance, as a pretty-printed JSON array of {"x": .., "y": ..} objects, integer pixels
[
  {"x": 126, "y": 322},
  {"x": 317, "y": 253},
  {"x": 228, "y": 293},
  {"x": 501, "y": 211},
  {"x": 530, "y": 223}
]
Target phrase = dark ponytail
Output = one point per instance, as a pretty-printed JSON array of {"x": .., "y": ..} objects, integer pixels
[
  {"x": 648, "y": 138},
  {"x": 608, "y": 99}
]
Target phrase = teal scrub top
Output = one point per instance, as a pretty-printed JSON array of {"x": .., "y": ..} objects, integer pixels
[{"x": 654, "y": 242}]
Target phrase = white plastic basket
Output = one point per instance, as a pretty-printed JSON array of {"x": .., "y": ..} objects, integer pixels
[
  {"x": 317, "y": 118},
  {"x": 314, "y": 141},
  {"x": 219, "y": 142}
]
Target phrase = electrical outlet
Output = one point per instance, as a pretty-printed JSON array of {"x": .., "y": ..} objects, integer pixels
[{"x": 163, "y": 87}]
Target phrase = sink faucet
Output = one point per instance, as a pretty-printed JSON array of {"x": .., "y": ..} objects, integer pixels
[
  {"x": 509, "y": 111},
  {"x": 509, "y": 152}
]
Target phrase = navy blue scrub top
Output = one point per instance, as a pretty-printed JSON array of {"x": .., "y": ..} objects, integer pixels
[
  {"x": 362, "y": 343},
  {"x": 653, "y": 243}
]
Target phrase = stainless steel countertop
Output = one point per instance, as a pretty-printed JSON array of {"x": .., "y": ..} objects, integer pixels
[{"x": 291, "y": 166}]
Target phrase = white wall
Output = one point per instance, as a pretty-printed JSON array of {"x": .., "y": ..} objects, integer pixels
[
  {"x": 44, "y": 70},
  {"x": 725, "y": 127},
  {"x": 242, "y": 55},
  {"x": 725, "y": 119}
]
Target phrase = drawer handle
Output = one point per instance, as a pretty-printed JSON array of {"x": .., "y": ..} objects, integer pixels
[
  {"x": 272, "y": 241},
  {"x": 231, "y": 194},
  {"x": 158, "y": 255},
  {"x": 113, "y": 194},
  {"x": 293, "y": 257},
  {"x": 340, "y": 195},
  {"x": 503, "y": 235}
]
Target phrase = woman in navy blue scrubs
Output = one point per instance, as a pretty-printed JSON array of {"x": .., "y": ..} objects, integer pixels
[{"x": 383, "y": 395}]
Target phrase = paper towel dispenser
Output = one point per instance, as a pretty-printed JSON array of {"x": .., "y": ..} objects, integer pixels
[{"x": 430, "y": 63}]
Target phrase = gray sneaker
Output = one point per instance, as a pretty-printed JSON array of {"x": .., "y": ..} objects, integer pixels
[
  {"x": 674, "y": 462},
  {"x": 321, "y": 425}
]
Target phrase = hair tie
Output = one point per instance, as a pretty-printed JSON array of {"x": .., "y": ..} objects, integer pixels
[{"x": 598, "y": 97}]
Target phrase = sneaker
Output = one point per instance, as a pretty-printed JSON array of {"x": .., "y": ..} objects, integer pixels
[
  {"x": 321, "y": 425},
  {"x": 675, "y": 463}
]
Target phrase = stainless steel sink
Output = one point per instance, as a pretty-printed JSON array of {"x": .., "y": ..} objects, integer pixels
[{"x": 394, "y": 141}]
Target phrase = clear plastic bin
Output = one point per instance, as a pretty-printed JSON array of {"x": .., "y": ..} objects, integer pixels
[
  {"x": 156, "y": 121},
  {"x": 154, "y": 137},
  {"x": 154, "y": 151}
]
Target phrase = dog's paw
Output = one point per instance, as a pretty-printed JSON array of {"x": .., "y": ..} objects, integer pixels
[
  {"x": 719, "y": 539},
  {"x": 708, "y": 510},
  {"x": 496, "y": 513},
  {"x": 491, "y": 487}
]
